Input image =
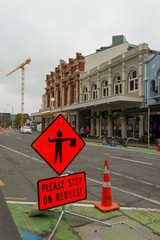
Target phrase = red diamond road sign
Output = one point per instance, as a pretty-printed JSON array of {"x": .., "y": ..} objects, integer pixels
[{"x": 58, "y": 144}]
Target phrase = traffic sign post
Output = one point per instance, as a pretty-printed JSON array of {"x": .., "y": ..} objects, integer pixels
[
  {"x": 58, "y": 145},
  {"x": 53, "y": 192}
]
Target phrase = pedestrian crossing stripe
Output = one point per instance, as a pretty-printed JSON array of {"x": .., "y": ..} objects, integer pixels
[{"x": 1, "y": 183}]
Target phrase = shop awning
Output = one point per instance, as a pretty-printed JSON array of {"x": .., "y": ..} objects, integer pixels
[
  {"x": 132, "y": 111},
  {"x": 107, "y": 116}
]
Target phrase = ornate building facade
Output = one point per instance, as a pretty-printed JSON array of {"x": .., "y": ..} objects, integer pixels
[
  {"x": 101, "y": 90},
  {"x": 63, "y": 90},
  {"x": 112, "y": 87}
]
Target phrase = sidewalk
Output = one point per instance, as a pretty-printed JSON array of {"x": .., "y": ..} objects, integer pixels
[{"x": 139, "y": 145}]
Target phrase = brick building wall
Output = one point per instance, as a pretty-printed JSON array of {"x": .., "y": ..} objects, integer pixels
[{"x": 62, "y": 85}]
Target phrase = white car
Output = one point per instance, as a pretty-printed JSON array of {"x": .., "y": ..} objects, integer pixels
[{"x": 25, "y": 129}]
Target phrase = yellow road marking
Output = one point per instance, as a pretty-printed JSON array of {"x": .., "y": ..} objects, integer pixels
[
  {"x": 88, "y": 201},
  {"x": 13, "y": 198},
  {"x": 1, "y": 183}
]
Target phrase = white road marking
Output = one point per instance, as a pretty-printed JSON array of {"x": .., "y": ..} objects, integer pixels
[
  {"x": 125, "y": 191},
  {"x": 25, "y": 155},
  {"x": 90, "y": 205},
  {"x": 129, "y": 160},
  {"x": 131, "y": 178},
  {"x": 137, "y": 195},
  {"x": 152, "y": 158},
  {"x": 18, "y": 202}
]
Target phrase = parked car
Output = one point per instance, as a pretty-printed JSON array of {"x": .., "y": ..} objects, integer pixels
[{"x": 25, "y": 129}]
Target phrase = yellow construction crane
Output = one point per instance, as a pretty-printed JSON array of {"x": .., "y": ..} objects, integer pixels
[{"x": 22, "y": 87}]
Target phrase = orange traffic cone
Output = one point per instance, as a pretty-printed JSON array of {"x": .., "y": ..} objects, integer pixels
[
  {"x": 106, "y": 204},
  {"x": 158, "y": 146}
]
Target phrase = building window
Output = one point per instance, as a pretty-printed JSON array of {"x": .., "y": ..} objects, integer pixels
[
  {"x": 66, "y": 96},
  {"x": 133, "y": 81},
  {"x": 94, "y": 91},
  {"x": 105, "y": 88},
  {"x": 74, "y": 94},
  {"x": 117, "y": 85},
  {"x": 153, "y": 86},
  {"x": 85, "y": 94},
  {"x": 48, "y": 100}
]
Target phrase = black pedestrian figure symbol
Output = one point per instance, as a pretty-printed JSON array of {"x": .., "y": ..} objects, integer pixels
[{"x": 59, "y": 142}]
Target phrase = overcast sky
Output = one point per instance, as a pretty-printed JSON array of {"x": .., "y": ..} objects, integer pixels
[{"x": 49, "y": 30}]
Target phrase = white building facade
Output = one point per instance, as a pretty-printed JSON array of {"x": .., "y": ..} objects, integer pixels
[{"x": 112, "y": 87}]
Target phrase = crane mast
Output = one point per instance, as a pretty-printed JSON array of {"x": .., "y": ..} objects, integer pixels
[{"x": 22, "y": 87}]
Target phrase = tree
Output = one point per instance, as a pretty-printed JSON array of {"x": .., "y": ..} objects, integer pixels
[
  {"x": 17, "y": 120},
  {"x": 9, "y": 123}
]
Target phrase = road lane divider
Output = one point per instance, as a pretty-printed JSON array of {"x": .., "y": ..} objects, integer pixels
[
  {"x": 130, "y": 160},
  {"x": 25, "y": 155}
]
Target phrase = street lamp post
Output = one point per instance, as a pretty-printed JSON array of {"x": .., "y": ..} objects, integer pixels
[
  {"x": 12, "y": 112},
  {"x": 41, "y": 109},
  {"x": 52, "y": 100}
]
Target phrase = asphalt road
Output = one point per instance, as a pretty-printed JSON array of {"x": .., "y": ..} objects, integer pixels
[{"x": 135, "y": 176}]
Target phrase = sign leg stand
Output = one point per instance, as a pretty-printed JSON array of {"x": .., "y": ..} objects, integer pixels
[
  {"x": 64, "y": 210},
  {"x": 89, "y": 218},
  {"x": 56, "y": 224}
]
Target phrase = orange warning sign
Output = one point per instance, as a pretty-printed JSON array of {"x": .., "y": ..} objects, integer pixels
[
  {"x": 53, "y": 192},
  {"x": 59, "y": 144}
]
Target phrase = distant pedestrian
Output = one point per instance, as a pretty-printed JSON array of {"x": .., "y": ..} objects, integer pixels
[
  {"x": 145, "y": 136},
  {"x": 87, "y": 131},
  {"x": 82, "y": 131}
]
